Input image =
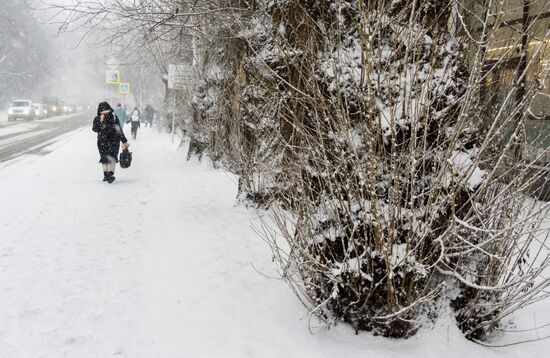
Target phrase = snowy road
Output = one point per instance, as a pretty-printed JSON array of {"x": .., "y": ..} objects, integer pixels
[
  {"x": 24, "y": 137},
  {"x": 159, "y": 265}
]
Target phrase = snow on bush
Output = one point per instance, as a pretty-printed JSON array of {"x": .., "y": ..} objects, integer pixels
[
  {"x": 363, "y": 124},
  {"x": 379, "y": 173},
  {"x": 213, "y": 123}
]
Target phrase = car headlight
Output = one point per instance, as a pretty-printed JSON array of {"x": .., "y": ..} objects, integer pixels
[
  {"x": 26, "y": 111},
  {"x": 54, "y": 108},
  {"x": 10, "y": 111}
]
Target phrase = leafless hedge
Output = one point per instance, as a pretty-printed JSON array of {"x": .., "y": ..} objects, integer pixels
[{"x": 396, "y": 180}]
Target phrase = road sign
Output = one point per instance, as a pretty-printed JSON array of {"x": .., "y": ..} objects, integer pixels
[
  {"x": 124, "y": 88},
  {"x": 112, "y": 77},
  {"x": 179, "y": 76}
]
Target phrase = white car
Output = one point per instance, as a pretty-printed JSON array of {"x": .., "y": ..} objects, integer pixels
[{"x": 21, "y": 108}]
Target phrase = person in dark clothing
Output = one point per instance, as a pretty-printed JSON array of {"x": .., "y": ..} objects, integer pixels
[
  {"x": 149, "y": 115},
  {"x": 109, "y": 135}
]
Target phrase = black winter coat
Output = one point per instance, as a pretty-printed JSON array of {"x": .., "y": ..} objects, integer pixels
[{"x": 109, "y": 135}]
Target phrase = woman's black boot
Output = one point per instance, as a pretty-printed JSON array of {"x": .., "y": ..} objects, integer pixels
[
  {"x": 110, "y": 177},
  {"x": 105, "y": 176}
]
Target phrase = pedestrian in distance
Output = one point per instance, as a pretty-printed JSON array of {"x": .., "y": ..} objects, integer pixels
[
  {"x": 135, "y": 119},
  {"x": 120, "y": 113},
  {"x": 109, "y": 135},
  {"x": 149, "y": 115}
]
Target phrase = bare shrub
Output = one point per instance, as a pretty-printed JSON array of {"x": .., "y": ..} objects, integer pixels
[{"x": 402, "y": 187}]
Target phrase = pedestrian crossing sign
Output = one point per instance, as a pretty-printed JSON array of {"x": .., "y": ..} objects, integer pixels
[
  {"x": 112, "y": 77},
  {"x": 124, "y": 88}
]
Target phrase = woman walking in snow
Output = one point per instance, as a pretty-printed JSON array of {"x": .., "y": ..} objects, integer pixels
[
  {"x": 135, "y": 118},
  {"x": 109, "y": 136}
]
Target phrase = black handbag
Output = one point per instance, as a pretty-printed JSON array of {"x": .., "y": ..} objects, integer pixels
[{"x": 125, "y": 159}]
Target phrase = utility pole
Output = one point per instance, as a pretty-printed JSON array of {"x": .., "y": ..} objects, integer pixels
[{"x": 174, "y": 116}]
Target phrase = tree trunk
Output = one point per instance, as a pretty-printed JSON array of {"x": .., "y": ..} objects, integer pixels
[{"x": 522, "y": 76}]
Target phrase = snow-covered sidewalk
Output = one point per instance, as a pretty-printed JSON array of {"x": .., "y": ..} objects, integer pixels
[{"x": 158, "y": 264}]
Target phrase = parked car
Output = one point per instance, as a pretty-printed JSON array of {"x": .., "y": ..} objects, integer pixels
[
  {"x": 40, "y": 110},
  {"x": 21, "y": 109}
]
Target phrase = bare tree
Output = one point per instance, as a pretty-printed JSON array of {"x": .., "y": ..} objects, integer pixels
[{"x": 24, "y": 51}]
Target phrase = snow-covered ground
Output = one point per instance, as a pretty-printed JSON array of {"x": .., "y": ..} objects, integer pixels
[{"x": 162, "y": 264}]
